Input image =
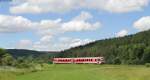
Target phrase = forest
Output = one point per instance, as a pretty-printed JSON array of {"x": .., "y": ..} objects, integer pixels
[{"x": 131, "y": 49}]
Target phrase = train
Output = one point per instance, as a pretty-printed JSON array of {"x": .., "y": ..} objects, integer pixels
[{"x": 79, "y": 60}]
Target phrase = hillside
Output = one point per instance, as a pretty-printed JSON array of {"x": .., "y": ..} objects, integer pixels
[
  {"x": 132, "y": 49},
  {"x": 26, "y": 53}
]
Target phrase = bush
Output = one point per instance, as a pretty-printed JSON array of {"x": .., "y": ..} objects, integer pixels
[{"x": 147, "y": 64}]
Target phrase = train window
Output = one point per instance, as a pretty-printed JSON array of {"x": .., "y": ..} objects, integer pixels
[{"x": 102, "y": 58}]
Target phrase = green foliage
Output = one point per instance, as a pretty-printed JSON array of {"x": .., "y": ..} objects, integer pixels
[
  {"x": 147, "y": 64},
  {"x": 5, "y": 58},
  {"x": 132, "y": 49},
  {"x": 39, "y": 57},
  {"x": 146, "y": 55}
]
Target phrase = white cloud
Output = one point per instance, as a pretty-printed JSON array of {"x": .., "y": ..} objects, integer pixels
[
  {"x": 80, "y": 26},
  {"x": 24, "y": 44},
  {"x": 51, "y": 27},
  {"x": 78, "y": 42},
  {"x": 67, "y": 42},
  {"x": 46, "y": 38},
  {"x": 83, "y": 16},
  {"x": 80, "y": 23},
  {"x": 122, "y": 33},
  {"x": 61, "y": 44},
  {"x": 26, "y": 8},
  {"x": 48, "y": 30},
  {"x": 14, "y": 24},
  {"x": 45, "y": 43},
  {"x": 142, "y": 24},
  {"x": 46, "y": 24},
  {"x": 121, "y": 6},
  {"x": 41, "y": 6}
]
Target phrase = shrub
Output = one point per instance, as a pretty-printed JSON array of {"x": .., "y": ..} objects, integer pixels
[{"x": 147, "y": 64}]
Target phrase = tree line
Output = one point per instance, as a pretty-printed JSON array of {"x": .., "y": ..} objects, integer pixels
[
  {"x": 6, "y": 59},
  {"x": 131, "y": 49}
]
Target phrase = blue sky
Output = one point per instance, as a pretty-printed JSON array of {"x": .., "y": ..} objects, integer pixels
[{"x": 61, "y": 24}]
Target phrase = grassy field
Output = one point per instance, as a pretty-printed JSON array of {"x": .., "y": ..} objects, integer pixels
[{"x": 83, "y": 72}]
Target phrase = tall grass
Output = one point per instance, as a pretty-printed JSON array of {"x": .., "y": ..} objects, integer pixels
[
  {"x": 6, "y": 73},
  {"x": 10, "y": 73}
]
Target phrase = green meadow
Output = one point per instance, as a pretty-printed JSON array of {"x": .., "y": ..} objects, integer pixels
[{"x": 81, "y": 72}]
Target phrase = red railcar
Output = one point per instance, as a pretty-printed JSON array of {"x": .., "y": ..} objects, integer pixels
[{"x": 79, "y": 60}]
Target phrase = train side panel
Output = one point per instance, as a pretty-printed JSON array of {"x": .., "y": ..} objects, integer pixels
[{"x": 81, "y": 60}]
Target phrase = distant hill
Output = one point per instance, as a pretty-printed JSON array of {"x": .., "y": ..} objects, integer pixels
[
  {"x": 132, "y": 49},
  {"x": 25, "y": 53}
]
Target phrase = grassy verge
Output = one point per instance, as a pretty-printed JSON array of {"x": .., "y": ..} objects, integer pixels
[
  {"x": 89, "y": 72},
  {"x": 10, "y": 73}
]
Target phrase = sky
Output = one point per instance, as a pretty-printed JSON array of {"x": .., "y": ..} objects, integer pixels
[{"x": 54, "y": 25}]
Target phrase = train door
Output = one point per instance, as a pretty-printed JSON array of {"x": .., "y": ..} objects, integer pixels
[{"x": 98, "y": 61}]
